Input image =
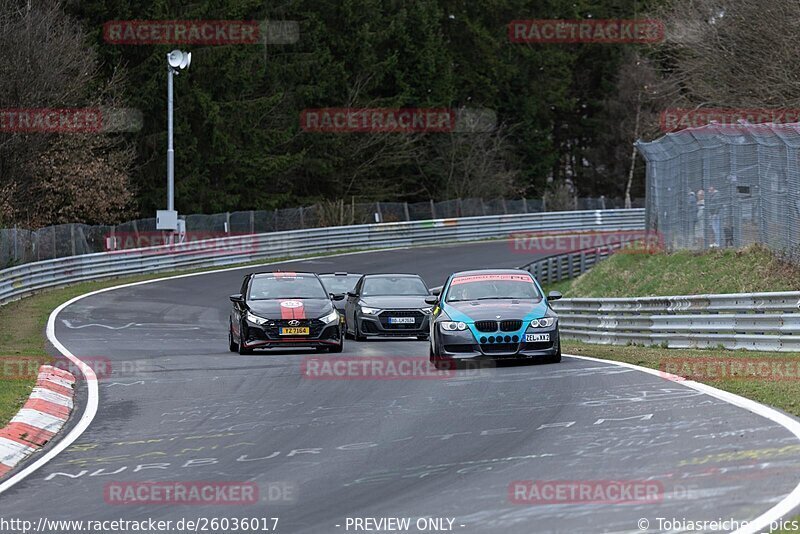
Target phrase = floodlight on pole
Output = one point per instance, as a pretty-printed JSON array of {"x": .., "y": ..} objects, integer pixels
[{"x": 176, "y": 60}]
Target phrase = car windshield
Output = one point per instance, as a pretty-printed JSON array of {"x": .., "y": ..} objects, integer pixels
[
  {"x": 488, "y": 287},
  {"x": 340, "y": 284},
  {"x": 287, "y": 287},
  {"x": 376, "y": 286}
]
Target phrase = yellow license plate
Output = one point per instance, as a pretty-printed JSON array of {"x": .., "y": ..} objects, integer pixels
[{"x": 294, "y": 331}]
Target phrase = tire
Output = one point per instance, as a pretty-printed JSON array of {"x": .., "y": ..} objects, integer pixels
[
  {"x": 243, "y": 351},
  {"x": 437, "y": 362},
  {"x": 424, "y": 337},
  {"x": 347, "y": 334},
  {"x": 232, "y": 346},
  {"x": 357, "y": 334},
  {"x": 557, "y": 357},
  {"x": 336, "y": 349}
]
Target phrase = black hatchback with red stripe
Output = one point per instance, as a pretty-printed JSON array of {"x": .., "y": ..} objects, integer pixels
[{"x": 284, "y": 309}]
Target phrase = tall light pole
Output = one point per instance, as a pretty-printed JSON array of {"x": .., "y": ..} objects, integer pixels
[{"x": 168, "y": 219}]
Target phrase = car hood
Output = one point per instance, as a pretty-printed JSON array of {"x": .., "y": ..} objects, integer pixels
[
  {"x": 291, "y": 308},
  {"x": 482, "y": 310},
  {"x": 396, "y": 302}
]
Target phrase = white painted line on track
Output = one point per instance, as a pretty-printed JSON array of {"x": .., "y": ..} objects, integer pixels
[{"x": 788, "y": 503}]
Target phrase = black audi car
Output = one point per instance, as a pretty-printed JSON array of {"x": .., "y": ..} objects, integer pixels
[
  {"x": 388, "y": 305},
  {"x": 284, "y": 309},
  {"x": 496, "y": 314}
]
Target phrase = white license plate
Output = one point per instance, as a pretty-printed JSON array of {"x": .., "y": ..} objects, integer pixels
[
  {"x": 401, "y": 320},
  {"x": 537, "y": 338}
]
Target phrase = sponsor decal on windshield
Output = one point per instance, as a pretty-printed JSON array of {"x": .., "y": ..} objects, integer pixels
[{"x": 490, "y": 278}]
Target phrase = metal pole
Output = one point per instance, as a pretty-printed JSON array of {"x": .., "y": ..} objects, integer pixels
[{"x": 170, "y": 149}]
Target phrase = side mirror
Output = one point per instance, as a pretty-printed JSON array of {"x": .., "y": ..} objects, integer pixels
[
  {"x": 337, "y": 296},
  {"x": 350, "y": 294},
  {"x": 554, "y": 295},
  {"x": 436, "y": 290},
  {"x": 431, "y": 299},
  {"x": 237, "y": 298}
]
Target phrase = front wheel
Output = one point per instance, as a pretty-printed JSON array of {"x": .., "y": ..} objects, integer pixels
[
  {"x": 357, "y": 333},
  {"x": 557, "y": 357},
  {"x": 335, "y": 349},
  {"x": 232, "y": 345},
  {"x": 242, "y": 349},
  {"x": 437, "y": 362}
]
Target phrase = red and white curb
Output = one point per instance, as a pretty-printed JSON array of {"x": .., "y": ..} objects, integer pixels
[{"x": 42, "y": 416}]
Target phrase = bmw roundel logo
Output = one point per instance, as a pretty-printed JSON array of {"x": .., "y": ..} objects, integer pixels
[{"x": 291, "y": 304}]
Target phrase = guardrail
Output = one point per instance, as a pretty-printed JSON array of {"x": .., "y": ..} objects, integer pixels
[
  {"x": 753, "y": 321},
  {"x": 23, "y": 280},
  {"x": 569, "y": 265}
]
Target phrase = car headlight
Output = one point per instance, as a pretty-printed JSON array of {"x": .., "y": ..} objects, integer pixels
[
  {"x": 331, "y": 317},
  {"x": 544, "y": 322},
  {"x": 255, "y": 319},
  {"x": 369, "y": 311},
  {"x": 452, "y": 325}
]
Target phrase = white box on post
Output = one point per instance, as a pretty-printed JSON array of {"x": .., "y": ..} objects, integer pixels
[{"x": 167, "y": 220}]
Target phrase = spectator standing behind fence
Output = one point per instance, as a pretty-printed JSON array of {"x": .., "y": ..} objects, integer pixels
[
  {"x": 690, "y": 219},
  {"x": 713, "y": 207},
  {"x": 700, "y": 224}
]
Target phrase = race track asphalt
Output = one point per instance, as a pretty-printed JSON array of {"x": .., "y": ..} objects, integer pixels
[{"x": 180, "y": 407}]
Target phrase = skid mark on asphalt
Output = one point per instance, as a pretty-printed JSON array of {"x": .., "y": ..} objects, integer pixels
[{"x": 154, "y": 326}]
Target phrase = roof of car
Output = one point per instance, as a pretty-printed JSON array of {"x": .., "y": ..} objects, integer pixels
[
  {"x": 490, "y": 271},
  {"x": 285, "y": 273},
  {"x": 410, "y": 275},
  {"x": 340, "y": 274}
]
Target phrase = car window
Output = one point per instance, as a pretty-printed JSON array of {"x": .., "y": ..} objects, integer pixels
[
  {"x": 376, "y": 286},
  {"x": 340, "y": 284},
  {"x": 287, "y": 286},
  {"x": 492, "y": 286}
]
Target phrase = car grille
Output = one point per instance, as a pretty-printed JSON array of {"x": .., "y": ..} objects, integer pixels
[
  {"x": 500, "y": 347},
  {"x": 486, "y": 326},
  {"x": 417, "y": 315},
  {"x": 459, "y": 348},
  {"x": 315, "y": 327},
  {"x": 368, "y": 327},
  {"x": 510, "y": 325}
]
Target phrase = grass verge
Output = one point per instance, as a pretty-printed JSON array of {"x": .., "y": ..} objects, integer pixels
[{"x": 749, "y": 270}]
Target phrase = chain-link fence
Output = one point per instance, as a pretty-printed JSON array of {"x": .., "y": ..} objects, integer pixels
[
  {"x": 19, "y": 246},
  {"x": 727, "y": 186}
]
